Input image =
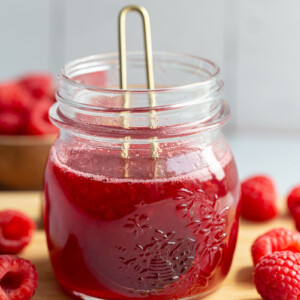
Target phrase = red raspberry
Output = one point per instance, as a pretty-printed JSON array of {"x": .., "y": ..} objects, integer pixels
[
  {"x": 277, "y": 276},
  {"x": 293, "y": 199},
  {"x": 296, "y": 217},
  {"x": 39, "y": 122},
  {"x": 278, "y": 239},
  {"x": 40, "y": 85},
  {"x": 16, "y": 230},
  {"x": 18, "y": 278},
  {"x": 258, "y": 199},
  {"x": 14, "y": 97},
  {"x": 11, "y": 122}
]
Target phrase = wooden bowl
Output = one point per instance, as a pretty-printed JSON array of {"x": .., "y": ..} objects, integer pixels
[{"x": 22, "y": 161}]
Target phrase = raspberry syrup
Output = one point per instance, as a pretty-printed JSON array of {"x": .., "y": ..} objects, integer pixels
[{"x": 134, "y": 238}]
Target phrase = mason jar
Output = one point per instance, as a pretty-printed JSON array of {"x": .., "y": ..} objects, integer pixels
[{"x": 142, "y": 198}]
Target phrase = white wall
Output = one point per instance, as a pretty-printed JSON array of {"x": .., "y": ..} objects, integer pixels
[
  {"x": 24, "y": 36},
  {"x": 268, "y": 62},
  {"x": 256, "y": 42}
]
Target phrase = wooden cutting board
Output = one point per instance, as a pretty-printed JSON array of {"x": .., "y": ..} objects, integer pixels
[{"x": 237, "y": 286}]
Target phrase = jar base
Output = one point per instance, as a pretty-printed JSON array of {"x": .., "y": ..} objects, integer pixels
[{"x": 195, "y": 297}]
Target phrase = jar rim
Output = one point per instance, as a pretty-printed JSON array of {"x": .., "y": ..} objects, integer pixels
[
  {"x": 183, "y": 105},
  {"x": 68, "y": 79}
]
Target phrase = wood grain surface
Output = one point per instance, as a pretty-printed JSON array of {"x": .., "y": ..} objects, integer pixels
[{"x": 237, "y": 286}]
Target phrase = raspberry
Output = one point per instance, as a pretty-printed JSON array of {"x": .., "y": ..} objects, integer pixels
[
  {"x": 258, "y": 199},
  {"x": 40, "y": 85},
  {"x": 11, "y": 122},
  {"x": 39, "y": 122},
  {"x": 293, "y": 199},
  {"x": 18, "y": 278},
  {"x": 14, "y": 97},
  {"x": 278, "y": 239},
  {"x": 16, "y": 230},
  {"x": 296, "y": 217},
  {"x": 277, "y": 276}
]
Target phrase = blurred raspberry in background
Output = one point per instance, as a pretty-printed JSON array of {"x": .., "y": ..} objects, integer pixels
[
  {"x": 24, "y": 105},
  {"x": 26, "y": 133}
]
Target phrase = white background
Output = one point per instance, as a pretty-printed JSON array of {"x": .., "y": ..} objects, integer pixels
[{"x": 256, "y": 43}]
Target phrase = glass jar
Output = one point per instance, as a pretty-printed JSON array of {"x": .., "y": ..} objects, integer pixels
[{"x": 142, "y": 202}]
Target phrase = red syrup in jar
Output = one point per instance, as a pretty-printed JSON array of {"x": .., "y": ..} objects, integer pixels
[{"x": 130, "y": 238}]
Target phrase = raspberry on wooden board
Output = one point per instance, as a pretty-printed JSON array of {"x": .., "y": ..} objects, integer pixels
[
  {"x": 16, "y": 230},
  {"x": 293, "y": 199},
  {"x": 278, "y": 239},
  {"x": 296, "y": 217},
  {"x": 258, "y": 198},
  {"x": 277, "y": 276},
  {"x": 18, "y": 278}
]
